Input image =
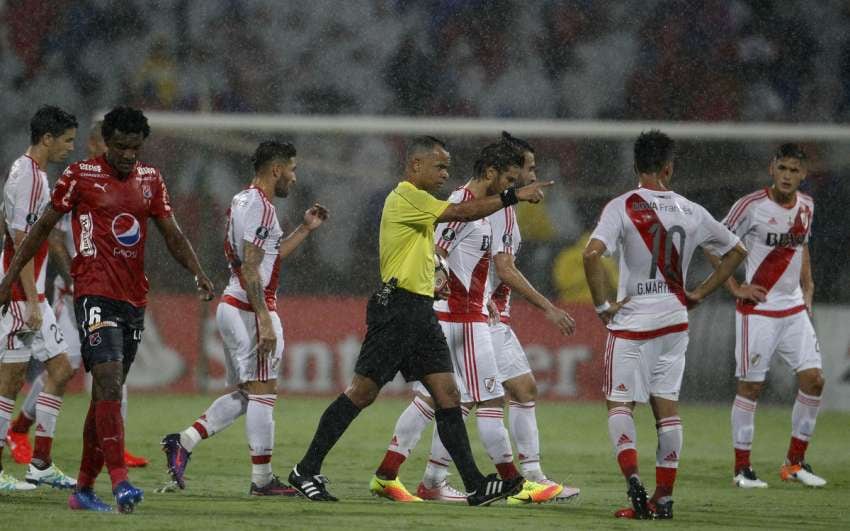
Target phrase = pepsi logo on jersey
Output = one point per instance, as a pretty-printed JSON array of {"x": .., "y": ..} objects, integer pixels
[{"x": 126, "y": 229}]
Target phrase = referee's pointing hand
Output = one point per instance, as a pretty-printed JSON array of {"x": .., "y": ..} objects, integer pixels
[{"x": 533, "y": 193}]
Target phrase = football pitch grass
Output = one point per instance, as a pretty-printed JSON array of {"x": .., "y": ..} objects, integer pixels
[{"x": 575, "y": 448}]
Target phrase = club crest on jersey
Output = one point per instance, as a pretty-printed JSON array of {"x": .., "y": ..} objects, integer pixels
[
  {"x": 146, "y": 191},
  {"x": 490, "y": 383},
  {"x": 126, "y": 229},
  {"x": 95, "y": 339}
]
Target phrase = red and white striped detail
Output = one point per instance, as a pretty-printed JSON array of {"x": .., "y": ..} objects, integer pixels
[
  {"x": 423, "y": 408},
  {"x": 6, "y": 408},
  {"x": 454, "y": 225},
  {"x": 471, "y": 368},
  {"x": 510, "y": 220},
  {"x": 619, "y": 410},
  {"x": 49, "y": 402},
  {"x": 607, "y": 364},
  {"x": 522, "y": 405},
  {"x": 744, "y": 404},
  {"x": 268, "y": 215},
  {"x": 266, "y": 400},
  {"x": 668, "y": 422},
  {"x": 17, "y": 324},
  {"x": 738, "y": 211},
  {"x": 37, "y": 189},
  {"x": 490, "y": 413},
  {"x": 745, "y": 344},
  {"x": 808, "y": 400}
]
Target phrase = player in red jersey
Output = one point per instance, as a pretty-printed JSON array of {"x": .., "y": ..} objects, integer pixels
[
  {"x": 248, "y": 322},
  {"x": 111, "y": 198},
  {"x": 656, "y": 232},
  {"x": 773, "y": 313},
  {"x": 28, "y": 329},
  {"x": 62, "y": 251}
]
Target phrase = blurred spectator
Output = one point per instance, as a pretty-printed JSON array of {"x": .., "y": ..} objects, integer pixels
[{"x": 156, "y": 83}]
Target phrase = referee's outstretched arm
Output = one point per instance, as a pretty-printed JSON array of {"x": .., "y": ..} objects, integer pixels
[{"x": 483, "y": 207}]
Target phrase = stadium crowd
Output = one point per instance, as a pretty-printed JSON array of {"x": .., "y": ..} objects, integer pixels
[{"x": 753, "y": 60}]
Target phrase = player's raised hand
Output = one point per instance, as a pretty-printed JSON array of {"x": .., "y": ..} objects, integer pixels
[
  {"x": 315, "y": 216},
  {"x": 751, "y": 292},
  {"x": 206, "y": 290},
  {"x": 267, "y": 339},
  {"x": 533, "y": 193},
  {"x": 612, "y": 310},
  {"x": 562, "y": 320}
]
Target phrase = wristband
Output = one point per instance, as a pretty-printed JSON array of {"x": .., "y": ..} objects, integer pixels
[
  {"x": 509, "y": 197},
  {"x": 603, "y": 307}
]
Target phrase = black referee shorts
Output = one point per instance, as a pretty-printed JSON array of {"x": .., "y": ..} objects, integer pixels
[{"x": 403, "y": 335}]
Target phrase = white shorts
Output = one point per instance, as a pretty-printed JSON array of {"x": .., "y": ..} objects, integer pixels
[
  {"x": 510, "y": 357},
  {"x": 63, "y": 309},
  {"x": 636, "y": 369},
  {"x": 758, "y": 337},
  {"x": 238, "y": 329},
  {"x": 43, "y": 345},
  {"x": 475, "y": 369}
]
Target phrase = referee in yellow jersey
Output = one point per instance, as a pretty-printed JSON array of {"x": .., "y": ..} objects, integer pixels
[{"x": 402, "y": 330}]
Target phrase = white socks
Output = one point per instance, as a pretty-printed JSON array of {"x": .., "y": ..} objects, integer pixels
[
  {"x": 46, "y": 410},
  {"x": 259, "y": 427},
  {"x": 222, "y": 413},
  {"x": 621, "y": 429},
  {"x": 493, "y": 435},
  {"x": 410, "y": 425},
  {"x": 669, "y": 442},
  {"x": 743, "y": 423},
  {"x": 522, "y": 420},
  {"x": 804, "y": 415}
]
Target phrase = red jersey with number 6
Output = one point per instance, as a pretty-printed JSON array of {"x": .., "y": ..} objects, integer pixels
[
  {"x": 109, "y": 219},
  {"x": 656, "y": 233}
]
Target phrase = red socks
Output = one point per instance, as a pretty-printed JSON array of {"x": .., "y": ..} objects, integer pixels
[
  {"x": 507, "y": 470},
  {"x": 110, "y": 432},
  {"x": 797, "y": 451},
  {"x": 628, "y": 460},
  {"x": 22, "y": 423},
  {"x": 388, "y": 469},
  {"x": 91, "y": 462}
]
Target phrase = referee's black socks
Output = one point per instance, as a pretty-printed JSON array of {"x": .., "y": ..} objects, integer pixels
[
  {"x": 453, "y": 434},
  {"x": 332, "y": 425}
]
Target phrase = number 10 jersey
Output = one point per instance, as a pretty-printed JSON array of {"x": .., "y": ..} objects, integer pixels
[{"x": 655, "y": 234}]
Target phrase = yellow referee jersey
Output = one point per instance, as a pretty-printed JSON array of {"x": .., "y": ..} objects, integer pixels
[{"x": 407, "y": 237}]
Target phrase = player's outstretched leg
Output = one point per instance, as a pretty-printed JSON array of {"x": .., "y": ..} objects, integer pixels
[
  {"x": 803, "y": 419},
  {"x": 178, "y": 447},
  {"x": 408, "y": 430}
]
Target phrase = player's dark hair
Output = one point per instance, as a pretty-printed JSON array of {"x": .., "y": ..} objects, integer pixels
[
  {"x": 500, "y": 156},
  {"x": 790, "y": 151},
  {"x": 423, "y": 143},
  {"x": 50, "y": 119},
  {"x": 516, "y": 143},
  {"x": 125, "y": 119},
  {"x": 653, "y": 149},
  {"x": 271, "y": 150}
]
